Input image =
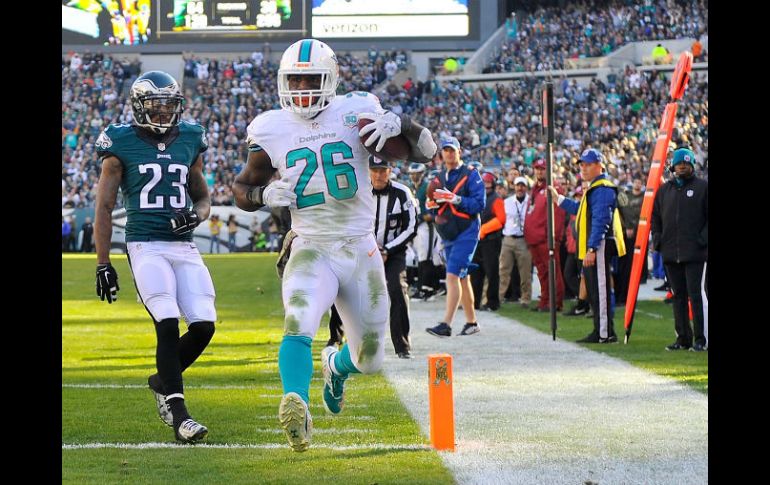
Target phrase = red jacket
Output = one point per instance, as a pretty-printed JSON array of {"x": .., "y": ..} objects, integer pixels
[
  {"x": 571, "y": 235},
  {"x": 537, "y": 218}
]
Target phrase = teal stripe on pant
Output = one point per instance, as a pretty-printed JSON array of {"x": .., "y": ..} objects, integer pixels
[{"x": 295, "y": 364}]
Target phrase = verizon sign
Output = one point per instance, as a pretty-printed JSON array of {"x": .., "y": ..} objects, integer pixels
[
  {"x": 365, "y": 26},
  {"x": 390, "y": 26}
]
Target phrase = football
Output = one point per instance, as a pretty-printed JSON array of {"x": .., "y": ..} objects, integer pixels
[
  {"x": 432, "y": 186},
  {"x": 396, "y": 148}
]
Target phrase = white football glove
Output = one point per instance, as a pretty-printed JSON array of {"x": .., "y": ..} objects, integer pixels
[
  {"x": 279, "y": 194},
  {"x": 444, "y": 195},
  {"x": 386, "y": 125}
]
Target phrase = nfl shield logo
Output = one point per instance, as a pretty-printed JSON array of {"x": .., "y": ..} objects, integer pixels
[
  {"x": 161, "y": 146},
  {"x": 350, "y": 119}
]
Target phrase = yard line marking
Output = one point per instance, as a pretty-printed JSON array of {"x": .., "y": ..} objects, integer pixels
[
  {"x": 318, "y": 431},
  {"x": 653, "y": 315},
  {"x": 204, "y": 386},
  {"x": 355, "y": 418},
  {"x": 144, "y": 386},
  {"x": 260, "y": 446}
]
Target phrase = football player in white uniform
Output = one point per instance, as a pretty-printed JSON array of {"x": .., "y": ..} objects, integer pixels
[{"x": 313, "y": 143}]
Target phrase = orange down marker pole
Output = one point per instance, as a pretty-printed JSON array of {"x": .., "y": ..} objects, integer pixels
[{"x": 441, "y": 401}]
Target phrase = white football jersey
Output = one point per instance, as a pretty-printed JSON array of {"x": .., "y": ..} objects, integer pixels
[{"x": 326, "y": 164}]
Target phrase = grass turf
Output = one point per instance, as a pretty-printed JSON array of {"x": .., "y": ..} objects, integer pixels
[{"x": 234, "y": 389}]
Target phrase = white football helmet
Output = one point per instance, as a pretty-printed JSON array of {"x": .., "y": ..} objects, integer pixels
[{"x": 308, "y": 56}]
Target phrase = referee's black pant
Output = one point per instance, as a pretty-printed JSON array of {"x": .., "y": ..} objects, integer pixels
[
  {"x": 689, "y": 280},
  {"x": 599, "y": 286},
  {"x": 395, "y": 275}
]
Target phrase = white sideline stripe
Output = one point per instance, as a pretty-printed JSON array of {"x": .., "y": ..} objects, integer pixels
[
  {"x": 238, "y": 446},
  {"x": 520, "y": 397}
]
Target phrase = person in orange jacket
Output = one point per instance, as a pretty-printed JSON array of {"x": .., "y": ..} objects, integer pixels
[{"x": 487, "y": 254}]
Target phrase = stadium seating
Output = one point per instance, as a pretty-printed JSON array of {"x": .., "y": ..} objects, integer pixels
[{"x": 498, "y": 126}]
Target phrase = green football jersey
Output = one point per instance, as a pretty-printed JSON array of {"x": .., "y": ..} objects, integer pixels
[{"x": 155, "y": 175}]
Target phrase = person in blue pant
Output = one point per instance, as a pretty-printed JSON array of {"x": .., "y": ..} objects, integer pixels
[{"x": 458, "y": 204}]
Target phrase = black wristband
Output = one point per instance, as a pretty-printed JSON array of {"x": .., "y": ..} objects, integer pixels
[
  {"x": 406, "y": 123},
  {"x": 255, "y": 195}
]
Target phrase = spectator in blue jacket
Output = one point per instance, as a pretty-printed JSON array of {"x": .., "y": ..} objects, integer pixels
[{"x": 458, "y": 198}]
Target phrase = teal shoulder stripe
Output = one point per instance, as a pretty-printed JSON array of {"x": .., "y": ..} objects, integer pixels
[{"x": 304, "y": 51}]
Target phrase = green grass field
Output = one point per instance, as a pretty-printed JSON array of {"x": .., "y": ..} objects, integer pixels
[
  {"x": 653, "y": 329},
  {"x": 234, "y": 388}
]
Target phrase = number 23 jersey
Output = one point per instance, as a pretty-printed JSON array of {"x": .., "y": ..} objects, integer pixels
[
  {"x": 155, "y": 175},
  {"x": 325, "y": 163}
]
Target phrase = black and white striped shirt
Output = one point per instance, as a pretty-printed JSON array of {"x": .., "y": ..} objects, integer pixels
[{"x": 395, "y": 222}]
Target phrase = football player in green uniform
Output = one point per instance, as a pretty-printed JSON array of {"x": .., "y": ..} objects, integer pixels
[{"x": 157, "y": 163}]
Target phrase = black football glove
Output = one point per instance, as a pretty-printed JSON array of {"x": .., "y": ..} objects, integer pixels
[
  {"x": 107, "y": 282},
  {"x": 184, "y": 221}
]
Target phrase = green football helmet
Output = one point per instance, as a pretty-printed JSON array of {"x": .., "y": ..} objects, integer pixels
[{"x": 156, "y": 101}]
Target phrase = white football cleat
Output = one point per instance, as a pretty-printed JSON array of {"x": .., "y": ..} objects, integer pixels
[
  {"x": 296, "y": 421},
  {"x": 189, "y": 431},
  {"x": 334, "y": 385},
  {"x": 164, "y": 410}
]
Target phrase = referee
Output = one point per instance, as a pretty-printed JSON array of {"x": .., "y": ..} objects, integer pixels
[
  {"x": 600, "y": 237},
  {"x": 395, "y": 224}
]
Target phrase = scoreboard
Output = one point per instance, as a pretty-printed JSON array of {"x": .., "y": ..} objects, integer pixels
[
  {"x": 136, "y": 23},
  {"x": 142, "y": 22},
  {"x": 211, "y": 19}
]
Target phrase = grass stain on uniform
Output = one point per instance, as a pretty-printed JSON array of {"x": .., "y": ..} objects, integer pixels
[
  {"x": 348, "y": 252},
  {"x": 290, "y": 325},
  {"x": 298, "y": 299},
  {"x": 376, "y": 288},
  {"x": 302, "y": 260},
  {"x": 369, "y": 345}
]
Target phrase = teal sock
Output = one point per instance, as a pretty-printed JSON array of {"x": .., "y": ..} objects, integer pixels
[
  {"x": 295, "y": 364},
  {"x": 343, "y": 363}
]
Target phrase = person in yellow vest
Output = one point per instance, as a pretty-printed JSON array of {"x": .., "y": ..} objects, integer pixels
[
  {"x": 659, "y": 54},
  {"x": 215, "y": 226},
  {"x": 600, "y": 237}
]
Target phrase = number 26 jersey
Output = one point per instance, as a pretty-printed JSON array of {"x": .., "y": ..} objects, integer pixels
[{"x": 325, "y": 163}]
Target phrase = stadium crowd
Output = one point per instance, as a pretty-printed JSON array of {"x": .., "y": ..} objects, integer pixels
[
  {"x": 497, "y": 126},
  {"x": 546, "y": 37},
  {"x": 91, "y": 99},
  {"x": 222, "y": 95}
]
